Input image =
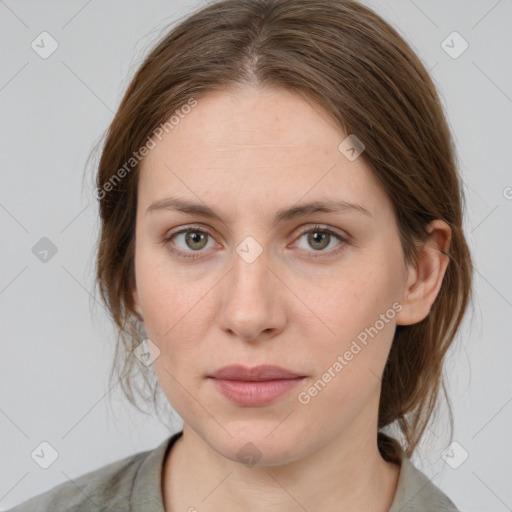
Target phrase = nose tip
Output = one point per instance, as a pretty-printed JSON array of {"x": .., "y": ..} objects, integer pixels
[{"x": 250, "y": 310}]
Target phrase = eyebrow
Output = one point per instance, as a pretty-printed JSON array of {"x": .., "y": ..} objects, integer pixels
[{"x": 284, "y": 214}]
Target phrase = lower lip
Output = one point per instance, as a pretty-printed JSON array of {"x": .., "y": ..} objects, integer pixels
[{"x": 255, "y": 394}]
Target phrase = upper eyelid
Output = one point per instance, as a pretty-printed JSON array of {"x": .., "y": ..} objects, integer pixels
[
  {"x": 320, "y": 227},
  {"x": 302, "y": 230},
  {"x": 343, "y": 240}
]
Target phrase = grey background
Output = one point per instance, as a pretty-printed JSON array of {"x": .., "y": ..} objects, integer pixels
[{"x": 56, "y": 348}]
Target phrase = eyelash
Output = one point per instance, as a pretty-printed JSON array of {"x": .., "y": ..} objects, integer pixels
[{"x": 197, "y": 254}]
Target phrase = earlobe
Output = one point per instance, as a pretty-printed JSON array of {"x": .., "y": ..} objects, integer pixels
[{"x": 425, "y": 279}]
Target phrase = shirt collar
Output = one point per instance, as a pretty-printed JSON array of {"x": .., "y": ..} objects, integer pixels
[
  {"x": 146, "y": 495},
  {"x": 414, "y": 492}
]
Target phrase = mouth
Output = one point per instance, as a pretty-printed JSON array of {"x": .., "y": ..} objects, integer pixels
[
  {"x": 256, "y": 374},
  {"x": 254, "y": 387}
]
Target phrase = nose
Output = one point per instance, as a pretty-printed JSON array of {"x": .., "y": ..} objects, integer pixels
[{"x": 252, "y": 303}]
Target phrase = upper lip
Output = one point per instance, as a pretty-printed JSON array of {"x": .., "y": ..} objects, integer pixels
[{"x": 255, "y": 374}]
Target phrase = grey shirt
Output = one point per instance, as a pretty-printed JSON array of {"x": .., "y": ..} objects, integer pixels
[{"x": 134, "y": 484}]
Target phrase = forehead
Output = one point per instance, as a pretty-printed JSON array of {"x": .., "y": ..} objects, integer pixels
[
  {"x": 254, "y": 145},
  {"x": 254, "y": 118}
]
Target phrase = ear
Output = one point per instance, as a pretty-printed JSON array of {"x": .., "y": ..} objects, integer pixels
[
  {"x": 136, "y": 303},
  {"x": 423, "y": 282}
]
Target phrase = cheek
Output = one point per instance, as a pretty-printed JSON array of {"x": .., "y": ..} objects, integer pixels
[
  {"x": 358, "y": 309},
  {"x": 349, "y": 369},
  {"x": 354, "y": 300},
  {"x": 177, "y": 313},
  {"x": 167, "y": 296}
]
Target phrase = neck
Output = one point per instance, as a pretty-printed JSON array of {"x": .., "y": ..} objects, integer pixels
[{"x": 347, "y": 473}]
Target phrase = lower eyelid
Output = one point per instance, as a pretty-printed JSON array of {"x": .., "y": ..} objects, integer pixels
[
  {"x": 168, "y": 238},
  {"x": 341, "y": 239}
]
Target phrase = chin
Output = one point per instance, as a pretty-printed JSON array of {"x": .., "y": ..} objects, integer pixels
[{"x": 253, "y": 445}]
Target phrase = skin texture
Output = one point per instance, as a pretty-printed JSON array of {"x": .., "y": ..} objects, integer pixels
[{"x": 248, "y": 154}]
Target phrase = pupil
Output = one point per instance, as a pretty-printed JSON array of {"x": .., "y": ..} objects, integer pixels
[
  {"x": 318, "y": 237},
  {"x": 194, "y": 237}
]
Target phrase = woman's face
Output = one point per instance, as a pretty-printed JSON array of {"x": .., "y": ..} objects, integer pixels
[{"x": 255, "y": 286}]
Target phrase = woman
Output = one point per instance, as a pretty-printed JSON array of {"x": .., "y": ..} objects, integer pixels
[{"x": 281, "y": 223}]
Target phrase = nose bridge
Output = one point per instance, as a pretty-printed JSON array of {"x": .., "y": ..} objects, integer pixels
[
  {"x": 249, "y": 304},
  {"x": 250, "y": 272}
]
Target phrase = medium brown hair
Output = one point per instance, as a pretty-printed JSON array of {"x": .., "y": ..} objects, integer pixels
[{"x": 346, "y": 58}]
